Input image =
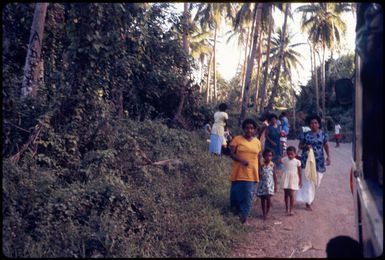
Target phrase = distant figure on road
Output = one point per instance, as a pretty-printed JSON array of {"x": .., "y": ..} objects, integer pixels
[
  {"x": 267, "y": 185},
  {"x": 337, "y": 134},
  {"x": 318, "y": 141},
  {"x": 262, "y": 132},
  {"x": 291, "y": 178},
  {"x": 217, "y": 139},
  {"x": 245, "y": 151},
  {"x": 273, "y": 138},
  {"x": 284, "y": 123},
  {"x": 284, "y": 131}
]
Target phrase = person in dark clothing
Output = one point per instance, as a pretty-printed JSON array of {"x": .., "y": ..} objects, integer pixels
[{"x": 343, "y": 247}]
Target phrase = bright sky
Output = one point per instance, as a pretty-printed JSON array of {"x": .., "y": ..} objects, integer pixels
[{"x": 229, "y": 55}]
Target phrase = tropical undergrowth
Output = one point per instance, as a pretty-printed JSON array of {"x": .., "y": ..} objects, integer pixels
[{"x": 121, "y": 199}]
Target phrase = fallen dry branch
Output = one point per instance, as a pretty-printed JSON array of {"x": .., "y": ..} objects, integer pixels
[{"x": 31, "y": 141}]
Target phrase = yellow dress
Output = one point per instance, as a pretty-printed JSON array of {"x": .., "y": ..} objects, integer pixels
[{"x": 249, "y": 151}]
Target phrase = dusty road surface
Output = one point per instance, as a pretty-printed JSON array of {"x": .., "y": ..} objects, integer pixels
[{"x": 305, "y": 234}]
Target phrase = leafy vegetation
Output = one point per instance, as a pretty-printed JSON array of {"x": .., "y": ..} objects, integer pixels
[
  {"x": 115, "y": 204},
  {"x": 108, "y": 159}
]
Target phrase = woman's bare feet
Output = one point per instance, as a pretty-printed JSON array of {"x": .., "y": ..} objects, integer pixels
[
  {"x": 289, "y": 213},
  {"x": 308, "y": 207},
  {"x": 243, "y": 220}
]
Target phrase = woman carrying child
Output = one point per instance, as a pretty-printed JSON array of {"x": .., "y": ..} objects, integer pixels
[
  {"x": 291, "y": 178},
  {"x": 267, "y": 185}
]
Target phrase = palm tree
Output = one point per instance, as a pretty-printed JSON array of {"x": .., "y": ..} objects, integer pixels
[
  {"x": 314, "y": 74},
  {"x": 244, "y": 23},
  {"x": 324, "y": 25},
  {"x": 290, "y": 57},
  {"x": 186, "y": 18},
  {"x": 200, "y": 48},
  {"x": 266, "y": 20},
  {"x": 210, "y": 16},
  {"x": 250, "y": 63},
  {"x": 32, "y": 61},
  {"x": 267, "y": 63},
  {"x": 278, "y": 68},
  {"x": 243, "y": 34}
]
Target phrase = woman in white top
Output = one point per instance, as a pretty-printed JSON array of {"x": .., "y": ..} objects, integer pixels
[
  {"x": 217, "y": 139},
  {"x": 337, "y": 134}
]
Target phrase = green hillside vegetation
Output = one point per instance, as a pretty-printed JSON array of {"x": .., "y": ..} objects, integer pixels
[
  {"x": 115, "y": 203},
  {"x": 106, "y": 156}
]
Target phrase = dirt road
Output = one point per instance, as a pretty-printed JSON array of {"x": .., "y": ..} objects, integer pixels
[{"x": 305, "y": 234}]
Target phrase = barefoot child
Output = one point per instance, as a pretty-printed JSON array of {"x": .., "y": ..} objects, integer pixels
[
  {"x": 291, "y": 177},
  {"x": 268, "y": 181}
]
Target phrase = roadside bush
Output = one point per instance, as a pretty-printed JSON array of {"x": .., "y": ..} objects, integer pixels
[{"x": 114, "y": 203}]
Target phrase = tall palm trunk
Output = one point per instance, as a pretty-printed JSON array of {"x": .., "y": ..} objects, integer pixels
[
  {"x": 201, "y": 62},
  {"x": 248, "y": 53},
  {"x": 316, "y": 81},
  {"x": 178, "y": 118},
  {"x": 250, "y": 63},
  {"x": 31, "y": 69},
  {"x": 259, "y": 58},
  {"x": 214, "y": 65},
  {"x": 264, "y": 84},
  {"x": 185, "y": 30},
  {"x": 294, "y": 104},
  {"x": 275, "y": 86},
  {"x": 208, "y": 99},
  {"x": 245, "y": 61},
  {"x": 323, "y": 77}
]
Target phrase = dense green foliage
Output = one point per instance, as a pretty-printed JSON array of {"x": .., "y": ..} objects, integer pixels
[
  {"x": 84, "y": 171},
  {"x": 114, "y": 204},
  {"x": 83, "y": 186},
  {"x": 340, "y": 68}
]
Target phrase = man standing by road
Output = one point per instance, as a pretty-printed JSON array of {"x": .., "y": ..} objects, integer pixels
[{"x": 337, "y": 134}]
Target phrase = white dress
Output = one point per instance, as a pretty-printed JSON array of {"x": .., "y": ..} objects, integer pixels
[{"x": 290, "y": 179}]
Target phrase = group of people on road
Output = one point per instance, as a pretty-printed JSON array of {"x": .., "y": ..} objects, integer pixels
[{"x": 257, "y": 158}]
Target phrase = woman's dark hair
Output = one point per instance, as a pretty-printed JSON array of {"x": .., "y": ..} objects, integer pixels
[
  {"x": 222, "y": 107},
  {"x": 266, "y": 151},
  {"x": 312, "y": 117},
  {"x": 291, "y": 149},
  {"x": 271, "y": 116},
  {"x": 283, "y": 113},
  {"x": 249, "y": 121}
]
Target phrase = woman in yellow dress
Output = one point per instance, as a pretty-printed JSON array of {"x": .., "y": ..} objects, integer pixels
[{"x": 245, "y": 151}]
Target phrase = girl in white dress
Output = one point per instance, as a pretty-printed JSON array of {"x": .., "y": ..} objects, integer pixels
[{"x": 291, "y": 178}]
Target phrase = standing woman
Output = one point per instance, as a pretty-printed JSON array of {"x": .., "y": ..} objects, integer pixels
[
  {"x": 273, "y": 141},
  {"x": 317, "y": 140},
  {"x": 245, "y": 151},
  {"x": 217, "y": 138}
]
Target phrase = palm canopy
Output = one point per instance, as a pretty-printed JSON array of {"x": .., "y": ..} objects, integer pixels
[
  {"x": 291, "y": 57},
  {"x": 201, "y": 44},
  {"x": 210, "y": 14},
  {"x": 323, "y": 22}
]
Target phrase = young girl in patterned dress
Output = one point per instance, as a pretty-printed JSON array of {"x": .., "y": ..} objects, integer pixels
[
  {"x": 291, "y": 177},
  {"x": 267, "y": 185}
]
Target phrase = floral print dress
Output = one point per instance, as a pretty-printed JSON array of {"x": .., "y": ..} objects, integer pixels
[
  {"x": 266, "y": 180},
  {"x": 317, "y": 141}
]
